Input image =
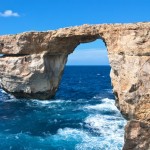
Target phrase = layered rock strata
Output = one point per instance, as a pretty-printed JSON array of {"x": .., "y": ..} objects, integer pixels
[{"x": 33, "y": 63}]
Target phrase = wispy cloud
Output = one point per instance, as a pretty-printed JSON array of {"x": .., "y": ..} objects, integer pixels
[{"x": 9, "y": 13}]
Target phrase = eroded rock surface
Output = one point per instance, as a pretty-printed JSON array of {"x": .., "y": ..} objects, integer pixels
[
  {"x": 34, "y": 62},
  {"x": 137, "y": 136},
  {"x": 32, "y": 76}
]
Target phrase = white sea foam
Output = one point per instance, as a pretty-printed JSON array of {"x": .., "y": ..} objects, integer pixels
[
  {"x": 2, "y": 91},
  {"x": 46, "y": 103},
  {"x": 62, "y": 139},
  {"x": 80, "y": 139},
  {"x": 12, "y": 99},
  {"x": 109, "y": 129},
  {"x": 102, "y": 122},
  {"x": 108, "y": 104},
  {"x": 11, "y": 96},
  {"x": 107, "y": 100},
  {"x": 86, "y": 140},
  {"x": 98, "y": 121},
  {"x": 107, "y": 126},
  {"x": 101, "y": 107}
]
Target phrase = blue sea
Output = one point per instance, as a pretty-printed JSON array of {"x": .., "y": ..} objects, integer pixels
[{"x": 82, "y": 115}]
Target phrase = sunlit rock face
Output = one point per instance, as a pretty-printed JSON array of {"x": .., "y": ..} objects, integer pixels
[
  {"x": 34, "y": 61},
  {"x": 32, "y": 76}
]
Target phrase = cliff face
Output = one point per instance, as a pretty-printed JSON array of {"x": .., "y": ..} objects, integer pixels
[
  {"x": 32, "y": 76},
  {"x": 34, "y": 62}
]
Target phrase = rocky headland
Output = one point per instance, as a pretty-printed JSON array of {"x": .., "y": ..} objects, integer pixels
[{"x": 33, "y": 64}]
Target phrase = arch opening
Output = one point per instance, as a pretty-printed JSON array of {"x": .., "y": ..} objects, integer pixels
[
  {"x": 86, "y": 89},
  {"x": 93, "y": 53}
]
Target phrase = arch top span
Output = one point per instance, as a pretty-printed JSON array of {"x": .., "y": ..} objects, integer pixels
[
  {"x": 117, "y": 37},
  {"x": 33, "y": 63}
]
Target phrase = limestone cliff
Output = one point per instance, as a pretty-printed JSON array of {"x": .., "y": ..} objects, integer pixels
[
  {"x": 32, "y": 76},
  {"x": 33, "y": 63}
]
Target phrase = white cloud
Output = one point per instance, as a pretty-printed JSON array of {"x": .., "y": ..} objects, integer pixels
[{"x": 9, "y": 13}]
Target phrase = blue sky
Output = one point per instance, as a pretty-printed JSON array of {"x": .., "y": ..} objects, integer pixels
[{"x": 40, "y": 15}]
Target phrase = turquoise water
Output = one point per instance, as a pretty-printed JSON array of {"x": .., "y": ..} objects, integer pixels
[{"x": 82, "y": 116}]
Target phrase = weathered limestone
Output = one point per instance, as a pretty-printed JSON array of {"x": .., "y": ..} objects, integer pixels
[
  {"x": 34, "y": 62},
  {"x": 137, "y": 136},
  {"x": 32, "y": 76}
]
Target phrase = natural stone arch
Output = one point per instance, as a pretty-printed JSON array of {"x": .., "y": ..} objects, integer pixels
[
  {"x": 34, "y": 62},
  {"x": 86, "y": 54}
]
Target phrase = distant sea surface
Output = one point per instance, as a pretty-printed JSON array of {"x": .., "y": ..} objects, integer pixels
[{"x": 82, "y": 116}]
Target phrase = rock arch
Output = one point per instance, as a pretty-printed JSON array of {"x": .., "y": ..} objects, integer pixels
[{"x": 33, "y": 63}]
